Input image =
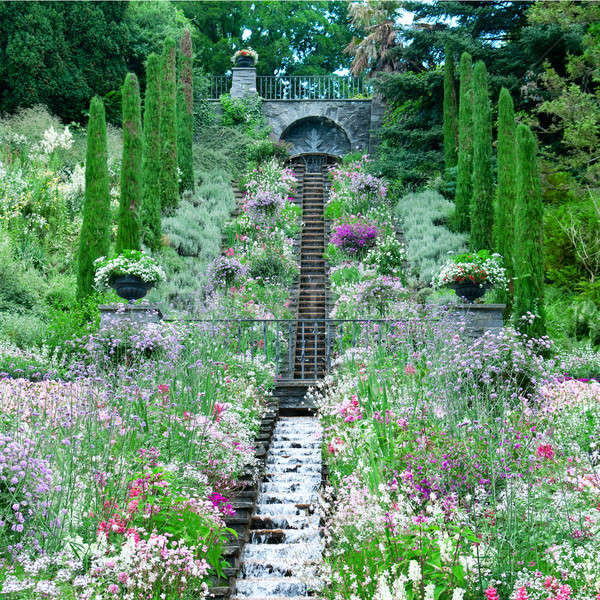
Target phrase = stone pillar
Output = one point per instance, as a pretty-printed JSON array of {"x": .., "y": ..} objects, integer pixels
[
  {"x": 377, "y": 113},
  {"x": 243, "y": 82},
  {"x": 479, "y": 318}
]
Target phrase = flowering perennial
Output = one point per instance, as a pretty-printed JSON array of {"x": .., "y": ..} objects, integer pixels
[{"x": 129, "y": 262}]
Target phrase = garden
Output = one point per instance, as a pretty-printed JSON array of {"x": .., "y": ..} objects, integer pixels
[{"x": 151, "y": 236}]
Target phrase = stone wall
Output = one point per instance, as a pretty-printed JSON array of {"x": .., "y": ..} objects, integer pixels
[
  {"x": 353, "y": 116},
  {"x": 479, "y": 318}
]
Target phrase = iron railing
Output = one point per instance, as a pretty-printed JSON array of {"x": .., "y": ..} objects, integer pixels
[
  {"x": 313, "y": 87},
  {"x": 304, "y": 348},
  {"x": 218, "y": 85},
  {"x": 298, "y": 87}
]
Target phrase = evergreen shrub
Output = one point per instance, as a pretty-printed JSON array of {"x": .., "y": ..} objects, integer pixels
[
  {"x": 151, "y": 200},
  {"x": 464, "y": 174},
  {"x": 95, "y": 230},
  {"x": 128, "y": 232},
  {"x": 169, "y": 179},
  {"x": 529, "y": 247},
  {"x": 482, "y": 186}
]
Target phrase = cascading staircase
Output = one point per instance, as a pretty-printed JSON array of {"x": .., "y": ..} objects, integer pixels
[
  {"x": 309, "y": 356},
  {"x": 283, "y": 545}
]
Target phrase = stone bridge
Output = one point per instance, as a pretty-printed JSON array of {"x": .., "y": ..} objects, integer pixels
[{"x": 316, "y": 115}]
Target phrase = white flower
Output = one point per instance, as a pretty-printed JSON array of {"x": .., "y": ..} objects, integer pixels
[
  {"x": 398, "y": 588},
  {"x": 458, "y": 594},
  {"x": 383, "y": 591},
  {"x": 414, "y": 571},
  {"x": 429, "y": 590}
]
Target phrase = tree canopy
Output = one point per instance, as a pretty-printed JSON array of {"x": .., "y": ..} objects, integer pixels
[
  {"x": 514, "y": 50},
  {"x": 62, "y": 53}
]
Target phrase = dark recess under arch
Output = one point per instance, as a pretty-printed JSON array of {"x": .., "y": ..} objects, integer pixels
[{"x": 316, "y": 135}]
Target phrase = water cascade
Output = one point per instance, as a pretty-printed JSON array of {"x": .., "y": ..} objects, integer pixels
[{"x": 284, "y": 547}]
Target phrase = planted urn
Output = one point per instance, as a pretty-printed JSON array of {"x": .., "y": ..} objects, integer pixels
[
  {"x": 131, "y": 274},
  {"x": 471, "y": 274},
  {"x": 245, "y": 58}
]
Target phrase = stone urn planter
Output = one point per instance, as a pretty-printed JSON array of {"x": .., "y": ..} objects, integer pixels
[
  {"x": 469, "y": 291},
  {"x": 130, "y": 287},
  {"x": 244, "y": 62}
]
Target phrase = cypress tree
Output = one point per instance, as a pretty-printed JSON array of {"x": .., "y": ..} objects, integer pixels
[
  {"x": 128, "y": 233},
  {"x": 94, "y": 240},
  {"x": 482, "y": 208},
  {"x": 462, "y": 198},
  {"x": 168, "y": 129},
  {"x": 185, "y": 119},
  {"x": 150, "y": 209},
  {"x": 505, "y": 192},
  {"x": 450, "y": 116},
  {"x": 528, "y": 254}
]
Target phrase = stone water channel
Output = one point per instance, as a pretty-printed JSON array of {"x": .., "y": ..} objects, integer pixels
[
  {"x": 281, "y": 545},
  {"x": 284, "y": 546}
]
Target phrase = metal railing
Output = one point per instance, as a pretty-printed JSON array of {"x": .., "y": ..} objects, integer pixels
[
  {"x": 305, "y": 348},
  {"x": 218, "y": 85},
  {"x": 298, "y": 87},
  {"x": 313, "y": 87}
]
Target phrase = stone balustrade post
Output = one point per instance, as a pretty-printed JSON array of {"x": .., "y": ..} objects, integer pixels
[{"x": 243, "y": 82}]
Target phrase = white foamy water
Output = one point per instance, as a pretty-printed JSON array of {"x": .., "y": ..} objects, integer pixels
[{"x": 283, "y": 551}]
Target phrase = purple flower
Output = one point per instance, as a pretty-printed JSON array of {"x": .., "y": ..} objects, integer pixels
[{"x": 354, "y": 236}]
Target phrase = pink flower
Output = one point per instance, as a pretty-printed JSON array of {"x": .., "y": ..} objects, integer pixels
[
  {"x": 521, "y": 594},
  {"x": 217, "y": 410},
  {"x": 230, "y": 252},
  {"x": 163, "y": 388},
  {"x": 545, "y": 451},
  {"x": 123, "y": 577},
  {"x": 491, "y": 593},
  {"x": 409, "y": 370},
  {"x": 113, "y": 588}
]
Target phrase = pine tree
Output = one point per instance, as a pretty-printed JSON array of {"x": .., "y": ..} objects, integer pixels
[
  {"x": 150, "y": 209},
  {"x": 462, "y": 197},
  {"x": 528, "y": 254},
  {"x": 94, "y": 241},
  {"x": 185, "y": 119},
  {"x": 482, "y": 199},
  {"x": 128, "y": 233},
  {"x": 168, "y": 129},
  {"x": 450, "y": 113},
  {"x": 505, "y": 192}
]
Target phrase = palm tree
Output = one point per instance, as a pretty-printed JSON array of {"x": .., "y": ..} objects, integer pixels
[{"x": 374, "y": 53}]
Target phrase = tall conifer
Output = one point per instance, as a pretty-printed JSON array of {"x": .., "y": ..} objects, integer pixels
[
  {"x": 464, "y": 174},
  {"x": 505, "y": 192},
  {"x": 482, "y": 199},
  {"x": 450, "y": 112},
  {"x": 185, "y": 118},
  {"x": 150, "y": 209},
  {"x": 168, "y": 129},
  {"x": 94, "y": 240},
  {"x": 528, "y": 253},
  {"x": 128, "y": 232}
]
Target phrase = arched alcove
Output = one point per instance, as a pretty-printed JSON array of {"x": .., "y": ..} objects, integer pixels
[{"x": 316, "y": 135}]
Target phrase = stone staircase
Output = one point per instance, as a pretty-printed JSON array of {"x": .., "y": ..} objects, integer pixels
[{"x": 309, "y": 362}]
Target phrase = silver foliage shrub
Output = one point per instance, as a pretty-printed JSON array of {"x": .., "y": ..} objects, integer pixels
[
  {"x": 194, "y": 240},
  {"x": 428, "y": 241}
]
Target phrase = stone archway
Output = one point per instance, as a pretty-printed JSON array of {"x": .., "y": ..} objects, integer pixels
[{"x": 316, "y": 135}]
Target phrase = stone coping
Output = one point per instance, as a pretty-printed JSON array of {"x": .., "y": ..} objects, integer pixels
[
  {"x": 125, "y": 307},
  {"x": 483, "y": 307}
]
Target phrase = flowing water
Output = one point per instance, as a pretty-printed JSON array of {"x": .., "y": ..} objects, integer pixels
[{"x": 284, "y": 548}]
